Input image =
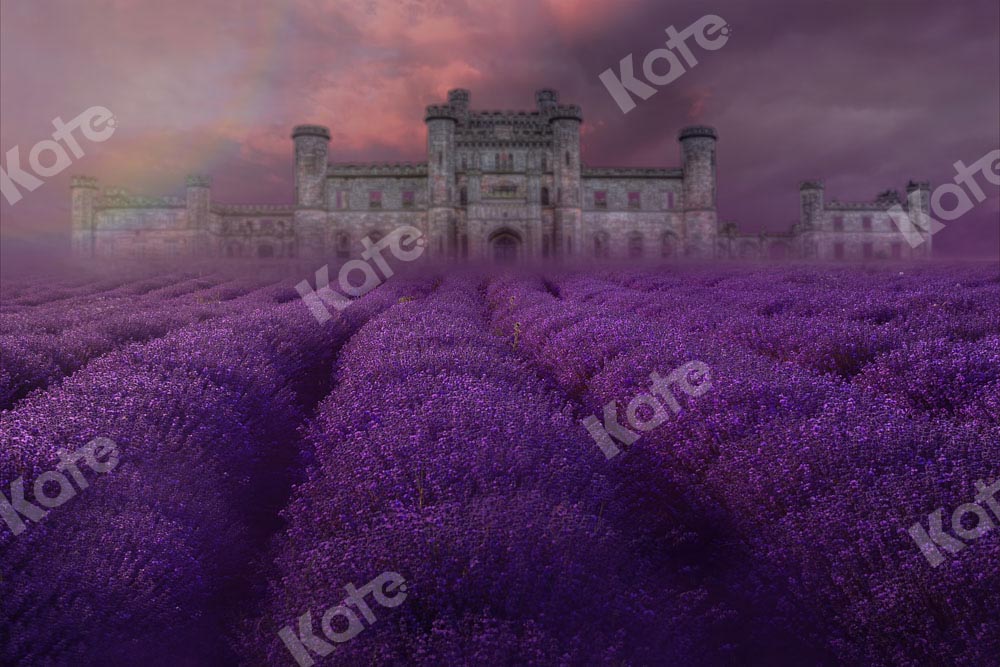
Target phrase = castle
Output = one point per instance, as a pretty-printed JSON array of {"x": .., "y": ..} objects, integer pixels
[{"x": 497, "y": 185}]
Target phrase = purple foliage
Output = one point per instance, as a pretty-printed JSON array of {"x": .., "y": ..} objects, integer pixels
[{"x": 433, "y": 428}]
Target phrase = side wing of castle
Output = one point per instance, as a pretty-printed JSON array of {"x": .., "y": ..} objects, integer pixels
[{"x": 497, "y": 185}]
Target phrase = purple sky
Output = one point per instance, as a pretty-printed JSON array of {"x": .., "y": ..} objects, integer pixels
[{"x": 861, "y": 94}]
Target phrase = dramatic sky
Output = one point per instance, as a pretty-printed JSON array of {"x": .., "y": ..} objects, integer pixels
[{"x": 862, "y": 94}]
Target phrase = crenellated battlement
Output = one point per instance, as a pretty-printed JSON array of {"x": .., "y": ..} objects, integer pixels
[
  {"x": 376, "y": 169},
  {"x": 114, "y": 197},
  {"x": 697, "y": 131},
  {"x": 566, "y": 112},
  {"x": 311, "y": 131},
  {"x": 441, "y": 112},
  {"x": 253, "y": 209},
  {"x": 631, "y": 172}
]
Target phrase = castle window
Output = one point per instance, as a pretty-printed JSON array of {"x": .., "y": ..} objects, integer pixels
[
  {"x": 408, "y": 199},
  {"x": 669, "y": 201},
  {"x": 633, "y": 200},
  {"x": 463, "y": 197},
  {"x": 374, "y": 199},
  {"x": 504, "y": 190},
  {"x": 440, "y": 159},
  {"x": 600, "y": 199},
  {"x": 343, "y": 246},
  {"x": 496, "y": 161},
  {"x": 567, "y": 158},
  {"x": 340, "y": 199},
  {"x": 867, "y": 250},
  {"x": 635, "y": 246},
  {"x": 866, "y": 223},
  {"x": 465, "y": 163},
  {"x": 545, "y": 196},
  {"x": 545, "y": 162},
  {"x": 838, "y": 251},
  {"x": 838, "y": 224}
]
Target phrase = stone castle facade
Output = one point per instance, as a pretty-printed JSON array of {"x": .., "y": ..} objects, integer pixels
[{"x": 498, "y": 186}]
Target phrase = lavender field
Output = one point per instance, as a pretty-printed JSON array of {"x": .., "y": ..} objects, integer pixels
[{"x": 435, "y": 429}]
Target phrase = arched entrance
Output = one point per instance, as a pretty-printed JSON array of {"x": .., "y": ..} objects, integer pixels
[{"x": 505, "y": 246}]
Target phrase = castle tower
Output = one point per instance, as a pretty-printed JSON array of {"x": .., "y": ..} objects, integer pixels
[
  {"x": 312, "y": 144},
  {"x": 811, "y": 205},
  {"x": 458, "y": 99},
  {"x": 199, "y": 200},
  {"x": 83, "y": 195},
  {"x": 918, "y": 207},
  {"x": 441, "y": 121},
  {"x": 565, "y": 121},
  {"x": 700, "y": 217},
  {"x": 199, "y": 204}
]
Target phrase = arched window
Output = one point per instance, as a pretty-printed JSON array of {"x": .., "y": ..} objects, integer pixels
[
  {"x": 496, "y": 161},
  {"x": 545, "y": 196},
  {"x": 635, "y": 245},
  {"x": 567, "y": 158},
  {"x": 545, "y": 162},
  {"x": 463, "y": 197}
]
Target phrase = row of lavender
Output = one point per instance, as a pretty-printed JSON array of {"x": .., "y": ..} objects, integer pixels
[
  {"x": 151, "y": 564},
  {"x": 845, "y": 408},
  {"x": 764, "y": 524},
  {"x": 441, "y": 456},
  {"x": 47, "y": 341}
]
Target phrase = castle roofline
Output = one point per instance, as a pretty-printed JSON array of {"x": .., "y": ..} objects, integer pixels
[
  {"x": 631, "y": 172},
  {"x": 347, "y": 169}
]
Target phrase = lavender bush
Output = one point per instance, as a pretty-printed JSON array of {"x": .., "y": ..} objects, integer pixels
[{"x": 433, "y": 428}]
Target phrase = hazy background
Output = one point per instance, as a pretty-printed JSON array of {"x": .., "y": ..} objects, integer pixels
[{"x": 861, "y": 94}]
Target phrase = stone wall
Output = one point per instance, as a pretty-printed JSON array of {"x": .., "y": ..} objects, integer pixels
[{"x": 495, "y": 183}]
